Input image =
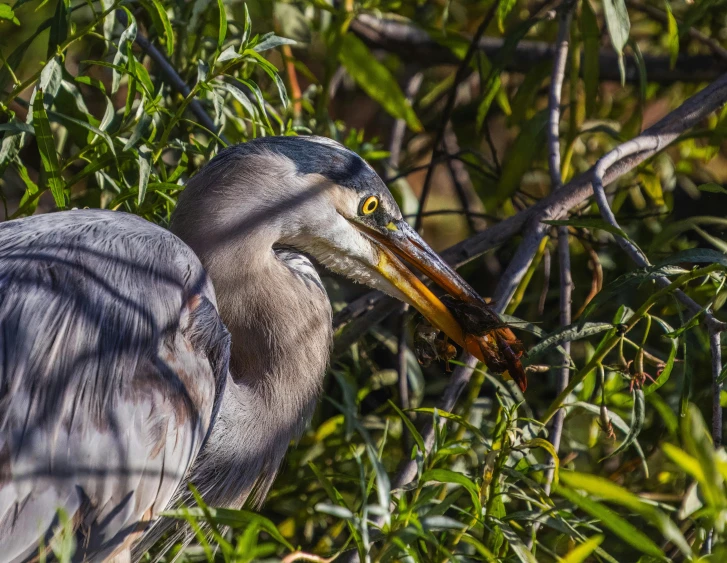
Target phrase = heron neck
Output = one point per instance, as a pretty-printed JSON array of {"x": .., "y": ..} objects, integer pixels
[{"x": 281, "y": 336}]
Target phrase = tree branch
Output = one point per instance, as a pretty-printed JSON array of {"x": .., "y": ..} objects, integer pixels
[
  {"x": 566, "y": 281},
  {"x": 416, "y": 45}
]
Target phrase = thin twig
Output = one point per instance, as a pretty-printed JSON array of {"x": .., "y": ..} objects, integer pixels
[
  {"x": 447, "y": 114},
  {"x": 716, "y": 350},
  {"x": 546, "y": 281},
  {"x": 566, "y": 282}
]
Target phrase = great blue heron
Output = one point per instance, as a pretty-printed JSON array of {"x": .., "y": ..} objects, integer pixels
[{"x": 119, "y": 380}]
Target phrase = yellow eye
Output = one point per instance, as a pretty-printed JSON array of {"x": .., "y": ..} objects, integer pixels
[{"x": 369, "y": 205}]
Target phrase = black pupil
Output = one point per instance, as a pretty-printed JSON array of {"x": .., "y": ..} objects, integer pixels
[{"x": 370, "y": 205}]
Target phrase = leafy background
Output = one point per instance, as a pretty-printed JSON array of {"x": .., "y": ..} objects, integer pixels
[{"x": 114, "y": 104}]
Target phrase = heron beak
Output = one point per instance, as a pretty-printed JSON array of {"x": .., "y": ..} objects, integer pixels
[{"x": 400, "y": 241}]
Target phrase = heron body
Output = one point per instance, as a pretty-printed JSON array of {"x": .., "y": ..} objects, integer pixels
[{"x": 135, "y": 360}]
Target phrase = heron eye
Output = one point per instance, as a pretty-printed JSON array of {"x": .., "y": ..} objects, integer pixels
[{"x": 369, "y": 205}]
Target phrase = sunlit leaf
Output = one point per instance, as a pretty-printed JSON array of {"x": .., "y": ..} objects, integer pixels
[
  {"x": 47, "y": 150},
  {"x": 158, "y": 13},
  {"x": 7, "y": 13},
  {"x": 583, "y": 551},
  {"x": 672, "y": 35},
  {"x": 599, "y": 487},
  {"x": 222, "y": 25},
  {"x": 619, "y": 26},
  {"x": 376, "y": 80}
]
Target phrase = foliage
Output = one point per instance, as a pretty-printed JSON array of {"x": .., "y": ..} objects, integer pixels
[{"x": 91, "y": 119}]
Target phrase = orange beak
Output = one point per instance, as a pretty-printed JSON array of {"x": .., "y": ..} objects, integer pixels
[{"x": 400, "y": 241}]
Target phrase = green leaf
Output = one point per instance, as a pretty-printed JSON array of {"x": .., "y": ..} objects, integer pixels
[
  {"x": 61, "y": 118},
  {"x": 144, "y": 171},
  {"x": 236, "y": 519},
  {"x": 638, "y": 415},
  {"x": 673, "y": 230},
  {"x": 447, "y": 476},
  {"x": 410, "y": 426},
  {"x": 376, "y": 80},
  {"x": 617, "y": 421},
  {"x": 7, "y": 13},
  {"x": 624, "y": 281},
  {"x": 611, "y": 492},
  {"x": 566, "y": 334},
  {"x": 589, "y": 223},
  {"x": 583, "y": 551},
  {"x": 47, "y": 150},
  {"x": 672, "y": 35},
  {"x": 59, "y": 26},
  {"x": 696, "y": 255},
  {"x": 272, "y": 42},
  {"x": 504, "y": 7},
  {"x": 548, "y": 447},
  {"x": 123, "y": 50},
  {"x": 516, "y": 544},
  {"x": 619, "y": 26},
  {"x": 16, "y": 57},
  {"x": 246, "y": 30},
  {"x": 163, "y": 26},
  {"x": 591, "y": 50},
  {"x": 668, "y": 367},
  {"x": 609, "y": 519},
  {"x": 712, "y": 187},
  {"x": 222, "y": 26},
  {"x": 697, "y": 442},
  {"x": 454, "y": 418}
]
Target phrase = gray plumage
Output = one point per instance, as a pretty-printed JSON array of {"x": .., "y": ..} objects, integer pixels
[{"x": 134, "y": 360}]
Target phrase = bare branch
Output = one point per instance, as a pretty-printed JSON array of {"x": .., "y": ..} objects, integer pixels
[
  {"x": 415, "y": 45},
  {"x": 715, "y": 346},
  {"x": 566, "y": 281}
]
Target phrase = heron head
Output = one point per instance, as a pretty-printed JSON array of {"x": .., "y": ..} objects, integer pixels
[{"x": 351, "y": 224}]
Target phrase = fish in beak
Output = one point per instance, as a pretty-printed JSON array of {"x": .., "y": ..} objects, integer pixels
[{"x": 463, "y": 315}]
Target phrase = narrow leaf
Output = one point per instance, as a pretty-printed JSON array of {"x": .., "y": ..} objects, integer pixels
[
  {"x": 672, "y": 35},
  {"x": 583, "y": 551},
  {"x": 619, "y": 26},
  {"x": 47, "y": 150},
  {"x": 609, "y": 519},
  {"x": 144, "y": 171},
  {"x": 638, "y": 414},
  {"x": 222, "y": 29},
  {"x": 59, "y": 26},
  {"x": 376, "y": 80}
]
